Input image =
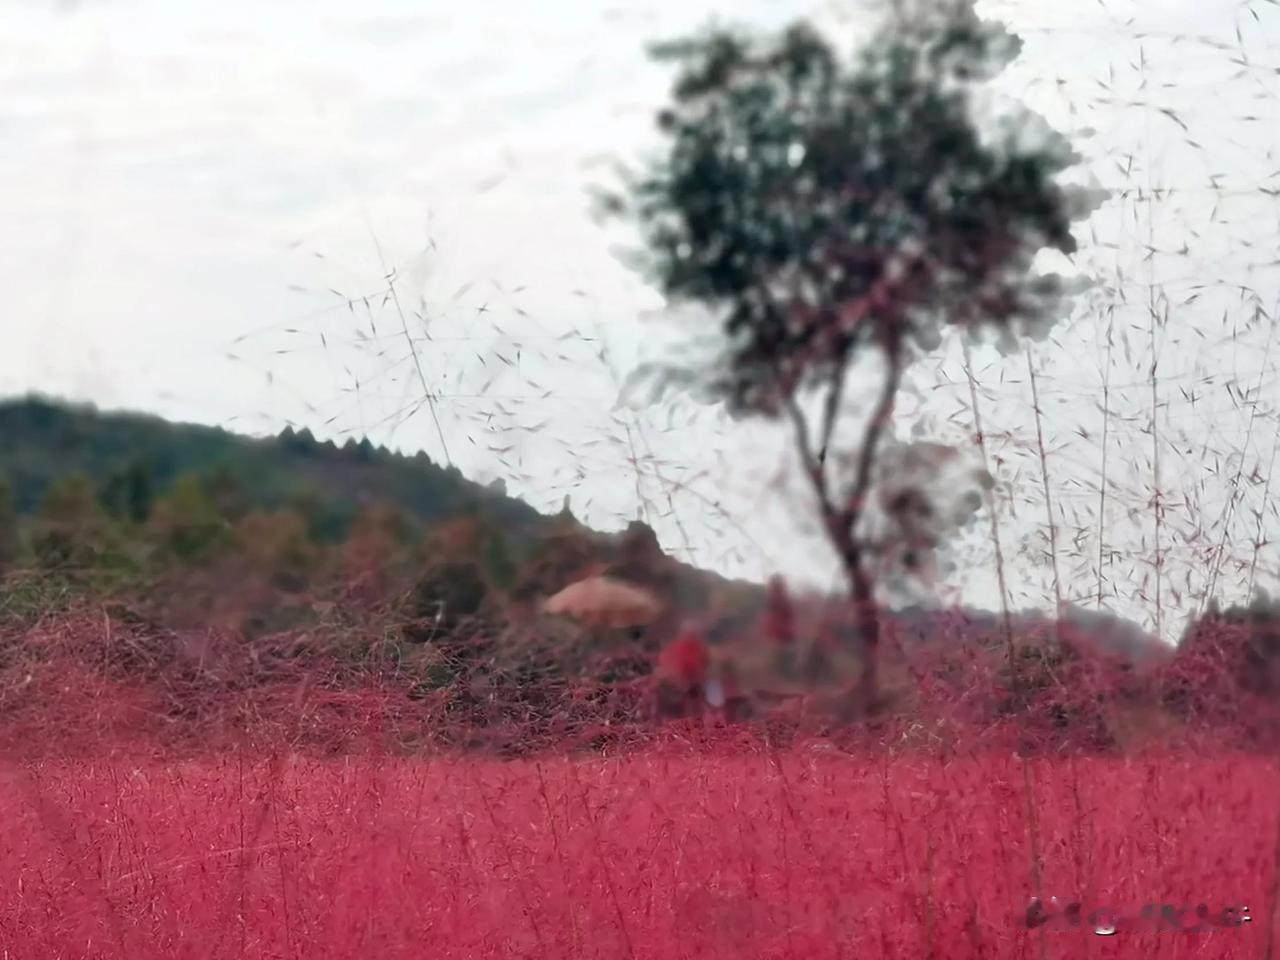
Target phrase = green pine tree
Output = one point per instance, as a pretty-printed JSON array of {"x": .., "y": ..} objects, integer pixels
[
  {"x": 187, "y": 519},
  {"x": 8, "y": 526}
]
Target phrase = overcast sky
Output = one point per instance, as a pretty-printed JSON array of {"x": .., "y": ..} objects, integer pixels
[{"x": 195, "y": 199}]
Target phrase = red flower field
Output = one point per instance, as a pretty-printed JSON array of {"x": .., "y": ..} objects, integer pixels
[{"x": 720, "y": 850}]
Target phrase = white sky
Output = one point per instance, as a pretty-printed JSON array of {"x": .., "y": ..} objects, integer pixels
[{"x": 183, "y": 187}]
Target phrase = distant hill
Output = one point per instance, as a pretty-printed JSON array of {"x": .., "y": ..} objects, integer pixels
[
  {"x": 1108, "y": 633},
  {"x": 42, "y": 440}
]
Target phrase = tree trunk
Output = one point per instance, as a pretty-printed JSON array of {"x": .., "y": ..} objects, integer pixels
[
  {"x": 861, "y": 585},
  {"x": 842, "y": 518},
  {"x": 868, "y": 627}
]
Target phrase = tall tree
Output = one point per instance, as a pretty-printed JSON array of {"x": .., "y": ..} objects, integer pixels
[
  {"x": 71, "y": 530},
  {"x": 187, "y": 520},
  {"x": 8, "y": 525},
  {"x": 127, "y": 493},
  {"x": 829, "y": 209}
]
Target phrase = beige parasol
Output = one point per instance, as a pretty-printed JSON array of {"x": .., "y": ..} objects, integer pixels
[{"x": 603, "y": 601}]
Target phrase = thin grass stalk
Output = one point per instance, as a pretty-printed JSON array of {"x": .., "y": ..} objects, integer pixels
[
  {"x": 427, "y": 392},
  {"x": 1157, "y": 493},
  {"x": 1106, "y": 426},
  {"x": 1237, "y": 481},
  {"x": 1036, "y": 867},
  {"x": 1048, "y": 500}
]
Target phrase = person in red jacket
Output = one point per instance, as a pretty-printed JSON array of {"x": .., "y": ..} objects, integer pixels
[
  {"x": 681, "y": 674},
  {"x": 689, "y": 683}
]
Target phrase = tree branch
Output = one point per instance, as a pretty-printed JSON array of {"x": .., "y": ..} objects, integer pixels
[
  {"x": 831, "y": 410},
  {"x": 812, "y": 464},
  {"x": 875, "y": 430}
]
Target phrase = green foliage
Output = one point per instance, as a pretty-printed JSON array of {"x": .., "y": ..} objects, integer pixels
[
  {"x": 499, "y": 567},
  {"x": 8, "y": 526},
  {"x": 298, "y": 442},
  {"x": 228, "y": 491},
  {"x": 823, "y": 208},
  {"x": 28, "y": 596},
  {"x": 278, "y": 543},
  {"x": 188, "y": 522},
  {"x": 127, "y": 494},
  {"x": 327, "y": 520},
  {"x": 46, "y": 440},
  {"x": 71, "y": 529},
  {"x": 72, "y": 500}
]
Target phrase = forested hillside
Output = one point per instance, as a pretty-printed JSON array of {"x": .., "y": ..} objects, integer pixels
[{"x": 130, "y": 458}]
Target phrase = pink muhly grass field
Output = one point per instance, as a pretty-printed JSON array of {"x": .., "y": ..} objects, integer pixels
[{"x": 719, "y": 850}]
